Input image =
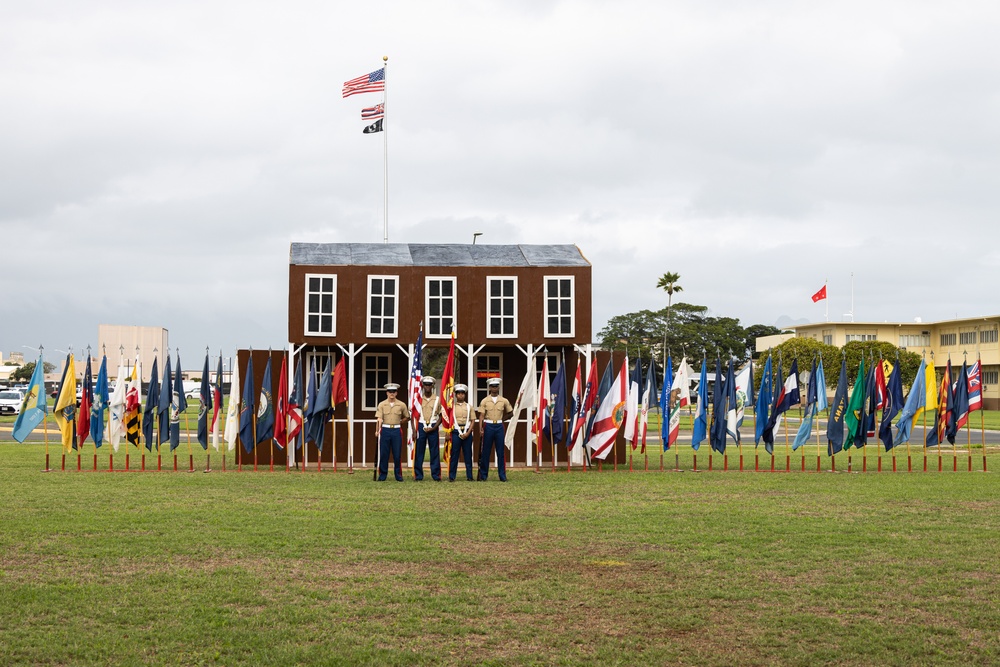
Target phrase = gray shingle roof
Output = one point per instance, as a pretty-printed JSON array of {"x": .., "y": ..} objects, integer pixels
[{"x": 432, "y": 254}]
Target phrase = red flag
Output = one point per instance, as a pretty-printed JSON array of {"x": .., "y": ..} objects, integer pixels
[
  {"x": 880, "y": 379},
  {"x": 820, "y": 295},
  {"x": 339, "y": 383},
  {"x": 542, "y": 405},
  {"x": 83, "y": 414},
  {"x": 281, "y": 406},
  {"x": 588, "y": 399},
  {"x": 448, "y": 387}
]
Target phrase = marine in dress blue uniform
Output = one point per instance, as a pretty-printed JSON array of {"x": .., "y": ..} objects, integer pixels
[
  {"x": 492, "y": 411},
  {"x": 390, "y": 416},
  {"x": 461, "y": 434},
  {"x": 427, "y": 432}
]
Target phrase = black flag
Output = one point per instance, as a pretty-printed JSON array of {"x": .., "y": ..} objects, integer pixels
[{"x": 374, "y": 127}]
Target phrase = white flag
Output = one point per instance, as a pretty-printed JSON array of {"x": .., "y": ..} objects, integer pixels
[
  {"x": 233, "y": 410},
  {"x": 116, "y": 412},
  {"x": 525, "y": 397}
]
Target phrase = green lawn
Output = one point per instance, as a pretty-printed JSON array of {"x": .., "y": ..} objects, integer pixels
[{"x": 581, "y": 568}]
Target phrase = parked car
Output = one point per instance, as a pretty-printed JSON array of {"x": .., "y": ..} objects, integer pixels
[{"x": 10, "y": 402}]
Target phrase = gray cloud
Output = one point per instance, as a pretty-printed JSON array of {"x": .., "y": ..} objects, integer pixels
[{"x": 156, "y": 161}]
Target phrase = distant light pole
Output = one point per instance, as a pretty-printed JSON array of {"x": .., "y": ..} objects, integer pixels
[{"x": 475, "y": 235}]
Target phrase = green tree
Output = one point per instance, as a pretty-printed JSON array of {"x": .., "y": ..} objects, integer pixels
[
  {"x": 803, "y": 350},
  {"x": 880, "y": 349},
  {"x": 668, "y": 283},
  {"x": 755, "y": 331},
  {"x": 692, "y": 330},
  {"x": 23, "y": 374}
]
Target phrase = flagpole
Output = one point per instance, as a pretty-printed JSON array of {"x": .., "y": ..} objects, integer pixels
[{"x": 385, "y": 154}]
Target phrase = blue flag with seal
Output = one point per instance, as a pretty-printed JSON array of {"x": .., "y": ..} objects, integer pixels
[
  {"x": 34, "y": 405},
  {"x": 265, "y": 406},
  {"x": 205, "y": 403},
  {"x": 665, "y": 390},
  {"x": 247, "y": 410},
  {"x": 101, "y": 399}
]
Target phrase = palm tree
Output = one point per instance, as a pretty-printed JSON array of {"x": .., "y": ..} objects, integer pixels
[{"x": 668, "y": 283}]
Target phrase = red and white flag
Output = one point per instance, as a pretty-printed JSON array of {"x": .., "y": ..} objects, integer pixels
[
  {"x": 975, "y": 387},
  {"x": 281, "y": 406},
  {"x": 610, "y": 415},
  {"x": 373, "y": 113},
  {"x": 820, "y": 295},
  {"x": 541, "y": 404}
]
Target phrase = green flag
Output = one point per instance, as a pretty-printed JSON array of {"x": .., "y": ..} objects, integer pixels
[{"x": 853, "y": 419}]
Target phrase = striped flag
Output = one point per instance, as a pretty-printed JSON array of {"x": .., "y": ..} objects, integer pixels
[
  {"x": 373, "y": 113},
  {"x": 975, "y": 387},
  {"x": 133, "y": 401},
  {"x": 373, "y": 82}
]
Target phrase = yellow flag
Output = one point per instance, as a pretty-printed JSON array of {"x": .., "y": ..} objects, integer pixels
[
  {"x": 930, "y": 386},
  {"x": 65, "y": 409}
]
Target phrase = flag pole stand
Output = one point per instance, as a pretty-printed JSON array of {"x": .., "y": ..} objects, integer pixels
[
  {"x": 630, "y": 461},
  {"x": 968, "y": 433},
  {"x": 64, "y": 462},
  {"x": 833, "y": 463},
  {"x": 772, "y": 461},
  {"x": 143, "y": 469},
  {"x": 95, "y": 458},
  {"x": 661, "y": 458},
  {"x": 756, "y": 462},
  {"x": 741, "y": 462},
  {"x": 710, "y": 461},
  {"x": 271, "y": 455},
  {"x": 864, "y": 457},
  {"x": 45, "y": 430},
  {"x": 982, "y": 423},
  {"x": 849, "y": 462},
  {"x": 208, "y": 461},
  {"x": 111, "y": 461},
  {"x": 725, "y": 462},
  {"x": 79, "y": 461},
  {"x": 694, "y": 457}
]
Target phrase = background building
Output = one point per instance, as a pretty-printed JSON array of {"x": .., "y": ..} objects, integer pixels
[
  {"x": 966, "y": 338},
  {"x": 118, "y": 339}
]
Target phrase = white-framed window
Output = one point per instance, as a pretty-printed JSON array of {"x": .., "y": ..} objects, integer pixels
[
  {"x": 439, "y": 308},
  {"x": 988, "y": 336},
  {"x": 967, "y": 337},
  {"x": 559, "y": 299},
  {"x": 949, "y": 339},
  {"x": 321, "y": 304},
  {"x": 828, "y": 336},
  {"x": 860, "y": 334},
  {"x": 915, "y": 340},
  {"x": 488, "y": 365},
  {"x": 383, "y": 306},
  {"x": 376, "y": 369},
  {"x": 501, "y": 307}
]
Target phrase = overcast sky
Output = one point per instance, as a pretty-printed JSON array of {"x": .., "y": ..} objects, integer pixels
[{"x": 156, "y": 159}]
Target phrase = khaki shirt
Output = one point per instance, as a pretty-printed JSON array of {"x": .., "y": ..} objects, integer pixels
[
  {"x": 463, "y": 414},
  {"x": 428, "y": 411},
  {"x": 392, "y": 415},
  {"x": 494, "y": 411}
]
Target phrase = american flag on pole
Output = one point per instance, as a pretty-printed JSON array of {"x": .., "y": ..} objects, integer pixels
[
  {"x": 373, "y": 113},
  {"x": 416, "y": 377},
  {"x": 366, "y": 83}
]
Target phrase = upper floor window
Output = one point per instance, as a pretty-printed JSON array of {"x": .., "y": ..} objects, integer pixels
[
  {"x": 967, "y": 338},
  {"x": 383, "y": 306},
  {"x": 440, "y": 307},
  {"x": 860, "y": 334},
  {"x": 914, "y": 340},
  {"x": 949, "y": 339},
  {"x": 559, "y": 306},
  {"x": 321, "y": 305},
  {"x": 988, "y": 336},
  {"x": 501, "y": 307}
]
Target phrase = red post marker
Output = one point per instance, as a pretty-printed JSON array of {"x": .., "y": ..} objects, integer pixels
[
  {"x": 741, "y": 463},
  {"x": 208, "y": 462},
  {"x": 710, "y": 462},
  {"x": 126, "y": 460},
  {"x": 864, "y": 462},
  {"x": 818, "y": 461},
  {"x": 894, "y": 464},
  {"x": 64, "y": 462},
  {"x": 695, "y": 462},
  {"x": 984, "y": 460},
  {"x": 756, "y": 462},
  {"x": 111, "y": 461},
  {"x": 144, "y": 463},
  {"x": 788, "y": 463},
  {"x": 955, "y": 462},
  {"x": 849, "y": 462},
  {"x": 940, "y": 463},
  {"x": 970, "y": 462},
  {"x": 175, "y": 463},
  {"x": 79, "y": 463},
  {"x": 803, "y": 462},
  {"x": 772, "y": 462},
  {"x": 725, "y": 462},
  {"x": 95, "y": 461},
  {"x": 159, "y": 462},
  {"x": 191, "y": 462},
  {"x": 47, "y": 463},
  {"x": 833, "y": 463}
]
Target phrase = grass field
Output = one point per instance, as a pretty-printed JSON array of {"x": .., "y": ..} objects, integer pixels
[{"x": 582, "y": 568}]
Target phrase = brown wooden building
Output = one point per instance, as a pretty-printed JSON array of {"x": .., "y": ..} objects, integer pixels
[{"x": 511, "y": 305}]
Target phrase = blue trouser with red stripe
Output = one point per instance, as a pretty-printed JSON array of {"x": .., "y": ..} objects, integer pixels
[{"x": 492, "y": 436}]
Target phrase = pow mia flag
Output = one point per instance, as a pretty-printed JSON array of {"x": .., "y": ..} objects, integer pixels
[{"x": 374, "y": 127}]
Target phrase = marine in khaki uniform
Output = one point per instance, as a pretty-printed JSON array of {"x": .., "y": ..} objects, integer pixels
[
  {"x": 390, "y": 417},
  {"x": 461, "y": 434},
  {"x": 427, "y": 432},
  {"x": 492, "y": 411}
]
